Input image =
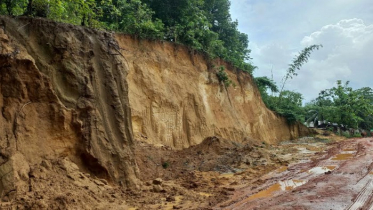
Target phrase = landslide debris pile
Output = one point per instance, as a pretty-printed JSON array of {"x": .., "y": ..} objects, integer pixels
[
  {"x": 213, "y": 154},
  {"x": 201, "y": 176}
]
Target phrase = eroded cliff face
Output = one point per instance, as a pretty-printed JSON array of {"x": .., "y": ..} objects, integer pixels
[
  {"x": 63, "y": 94},
  {"x": 76, "y": 96},
  {"x": 177, "y": 100}
]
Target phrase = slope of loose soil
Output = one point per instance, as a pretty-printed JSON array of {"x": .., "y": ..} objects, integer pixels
[
  {"x": 192, "y": 179},
  {"x": 206, "y": 175}
]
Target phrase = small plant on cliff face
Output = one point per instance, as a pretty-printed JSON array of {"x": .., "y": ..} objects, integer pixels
[
  {"x": 223, "y": 77},
  {"x": 165, "y": 165}
]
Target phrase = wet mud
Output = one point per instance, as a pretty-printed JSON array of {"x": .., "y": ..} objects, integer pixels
[{"x": 339, "y": 178}]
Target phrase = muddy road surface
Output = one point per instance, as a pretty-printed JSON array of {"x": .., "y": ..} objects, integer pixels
[{"x": 340, "y": 178}]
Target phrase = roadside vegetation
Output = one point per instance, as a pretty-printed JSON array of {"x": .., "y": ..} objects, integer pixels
[{"x": 341, "y": 105}]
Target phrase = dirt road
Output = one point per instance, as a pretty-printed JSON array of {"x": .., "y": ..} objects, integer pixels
[{"x": 340, "y": 178}]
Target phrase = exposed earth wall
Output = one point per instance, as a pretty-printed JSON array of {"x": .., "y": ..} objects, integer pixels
[{"x": 80, "y": 95}]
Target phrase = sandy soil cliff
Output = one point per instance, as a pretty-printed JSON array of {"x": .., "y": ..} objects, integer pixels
[
  {"x": 63, "y": 94},
  {"x": 77, "y": 97},
  {"x": 177, "y": 100}
]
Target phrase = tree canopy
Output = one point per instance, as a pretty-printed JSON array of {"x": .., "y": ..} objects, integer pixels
[{"x": 203, "y": 25}]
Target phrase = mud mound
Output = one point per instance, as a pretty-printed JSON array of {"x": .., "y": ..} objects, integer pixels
[
  {"x": 203, "y": 175},
  {"x": 214, "y": 145},
  {"x": 213, "y": 154},
  {"x": 59, "y": 184}
]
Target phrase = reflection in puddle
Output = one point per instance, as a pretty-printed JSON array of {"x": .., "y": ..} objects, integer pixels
[
  {"x": 304, "y": 151},
  {"x": 342, "y": 157},
  {"x": 321, "y": 170},
  {"x": 280, "y": 186}
]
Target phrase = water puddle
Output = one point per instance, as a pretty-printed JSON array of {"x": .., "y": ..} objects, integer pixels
[
  {"x": 343, "y": 156},
  {"x": 278, "y": 187},
  {"x": 303, "y": 150},
  {"x": 321, "y": 170}
]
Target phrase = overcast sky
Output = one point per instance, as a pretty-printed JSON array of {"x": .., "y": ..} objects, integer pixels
[{"x": 279, "y": 29}]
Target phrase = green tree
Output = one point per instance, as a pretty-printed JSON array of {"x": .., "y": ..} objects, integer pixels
[
  {"x": 13, "y": 7},
  {"x": 265, "y": 84},
  {"x": 235, "y": 44},
  {"x": 134, "y": 17},
  {"x": 317, "y": 110},
  {"x": 343, "y": 105},
  {"x": 297, "y": 63},
  {"x": 290, "y": 106},
  {"x": 204, "y": 25}
]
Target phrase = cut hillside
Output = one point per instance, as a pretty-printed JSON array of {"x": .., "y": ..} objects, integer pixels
[
  {"x": 177, "y": 100},
  {"x": 80, "y": 107}
]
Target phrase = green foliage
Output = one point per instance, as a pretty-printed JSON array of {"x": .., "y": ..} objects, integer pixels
[
  {"x": 340, "y": 104},
  {"x": 223, "y": 77},
  {"x": 165, "y": 165},
  {"x": 265, "y": 83},
  {"x": 203, "y": 25},
  {"x": 12, "y": 7},
  {"x": 235, "y": 44},
  {"x": 289, "y": 107},
  {"x": 131, "y": 17},
  {"x": 357, "y": 135},
  {"x": 346, "y": 106},
  {"x": 346, "y": 134},
  {"x": 297, "y": 63},
  {"x": 288, "y": 103}
]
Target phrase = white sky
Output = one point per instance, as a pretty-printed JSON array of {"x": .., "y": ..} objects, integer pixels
[{"x": 279, "y": 29}]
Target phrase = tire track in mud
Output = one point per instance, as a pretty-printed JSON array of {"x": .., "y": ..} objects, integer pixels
[
  {"x": 364, "y": 196},
  {"x": 342, "y": 178},
  {"x": 364, "y": 199}
]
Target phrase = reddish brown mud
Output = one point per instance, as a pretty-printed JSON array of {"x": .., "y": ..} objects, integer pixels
[{"x": 340, "y": 178}]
